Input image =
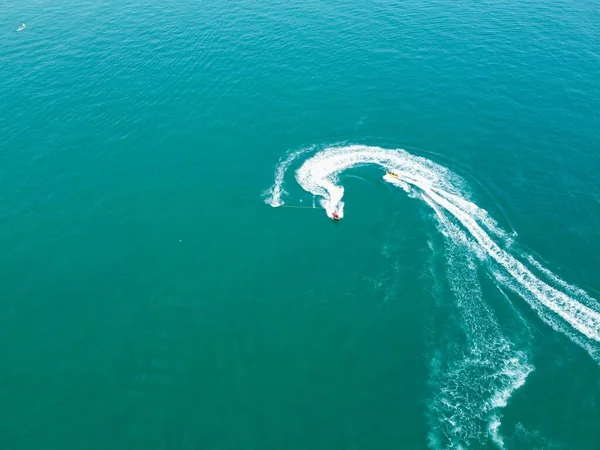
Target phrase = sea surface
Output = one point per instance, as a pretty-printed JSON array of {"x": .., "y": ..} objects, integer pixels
[{"x": 171, "y": 277}]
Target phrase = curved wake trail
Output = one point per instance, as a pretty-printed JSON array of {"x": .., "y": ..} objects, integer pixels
[
  {"x": 473, "y": 382},
  {"x": 275, "y": 192},
  {"x": 566, "y": 310}
]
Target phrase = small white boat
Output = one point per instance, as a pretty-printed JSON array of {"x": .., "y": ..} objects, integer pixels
[{"x": 22, "y": 27}]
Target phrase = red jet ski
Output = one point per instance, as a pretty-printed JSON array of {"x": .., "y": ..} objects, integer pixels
[{"x": 335, "y": 216}]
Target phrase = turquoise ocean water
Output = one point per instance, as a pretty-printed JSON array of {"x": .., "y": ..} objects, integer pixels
[{"x": 158, "y": 292}]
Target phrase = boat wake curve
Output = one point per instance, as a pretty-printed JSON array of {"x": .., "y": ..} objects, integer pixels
[
  {"x": 437, "y": 186},
  {"x": 468, "y": 229}
]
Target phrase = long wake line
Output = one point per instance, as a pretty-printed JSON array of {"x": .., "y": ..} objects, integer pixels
[
  {"x": 470, "y": 390},
  {"x": 569, "y": 311}
]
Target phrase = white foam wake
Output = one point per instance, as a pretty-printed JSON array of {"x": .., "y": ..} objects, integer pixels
[
  {"x": 273, "y": 195},
  {"x": 565, "y": 309},
  {"x": 477, "y": 368}
]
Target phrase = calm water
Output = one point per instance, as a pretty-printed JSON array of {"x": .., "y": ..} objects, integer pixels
[{"x": 152, "y": 298}]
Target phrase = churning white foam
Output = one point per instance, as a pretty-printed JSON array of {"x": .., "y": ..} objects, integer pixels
[
  {"x": 273, "y": 195},
  {"x": 474, "y": 375},
  {"x": 564, "y": 308},
  {"x": 473, "y": 382},
  {"x": 494, "y": 430}
]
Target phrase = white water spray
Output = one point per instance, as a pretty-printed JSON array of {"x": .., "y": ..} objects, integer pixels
[
  {"x": 473, "y": 386},
  {"x": 273, "y": 195},
  {"x": 566, "y": 309}
]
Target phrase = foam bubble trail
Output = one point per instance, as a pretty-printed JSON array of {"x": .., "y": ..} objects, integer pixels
[
  {"x": 471, "y": 382},
  {"x": 567, "y": 310},
  {"x": 273, "y": 195},
  {"x": 494, "y": 433}
]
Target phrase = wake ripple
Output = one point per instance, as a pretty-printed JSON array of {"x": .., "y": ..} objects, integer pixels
[
  {"x": 273, "y": 195},
  {"x": 471, "y": 382},
  {"x": 474, "y": 381},
  {"x": 565, "y": 308}
]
